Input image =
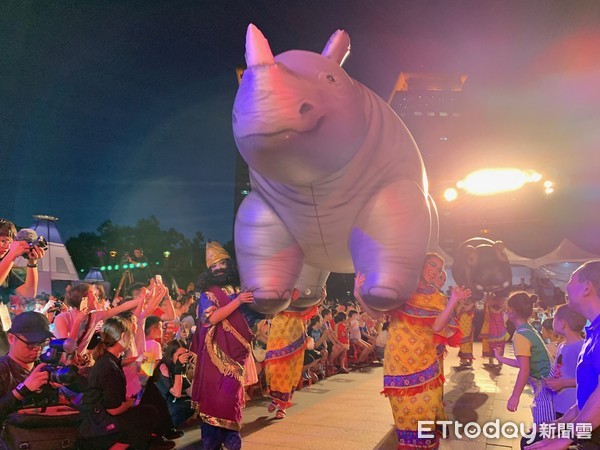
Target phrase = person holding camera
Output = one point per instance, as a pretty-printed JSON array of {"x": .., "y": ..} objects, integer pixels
[
  {"x": 12, "y": 247},
  {"x": 22, "y": 383},
  {"x": 172, "y": 382}
]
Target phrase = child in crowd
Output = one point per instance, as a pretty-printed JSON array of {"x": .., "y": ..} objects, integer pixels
[
  {"x": 569, "y": 325},
  {"x": 532, "y": 359},
  {"x": 355, "y": 337},
  {"x": 341, "y": 333},
  {"x": 154, "y": 333},
  {"x": 381, "y": 341},
  {"x": 551, "y": 339}
]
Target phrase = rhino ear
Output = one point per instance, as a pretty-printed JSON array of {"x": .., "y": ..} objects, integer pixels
[
  {"x": 338, "y": 47},
  {"x": 499, "y": 247}
]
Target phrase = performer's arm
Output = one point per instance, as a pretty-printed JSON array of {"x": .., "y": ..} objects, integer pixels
[
  {"x": 458, "y": 293},
  {"x": 222, "y": 313}
]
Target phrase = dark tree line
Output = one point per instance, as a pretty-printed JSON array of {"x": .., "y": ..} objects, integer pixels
[{"x": 169, "y": 252}]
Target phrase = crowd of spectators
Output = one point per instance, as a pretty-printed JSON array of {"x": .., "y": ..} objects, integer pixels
[{"x": 133, "y": 352}]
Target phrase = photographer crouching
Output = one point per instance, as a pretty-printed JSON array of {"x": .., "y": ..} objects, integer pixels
[
  {"x": 30, "y": 410},
  {"x": 22, "y": 383}
]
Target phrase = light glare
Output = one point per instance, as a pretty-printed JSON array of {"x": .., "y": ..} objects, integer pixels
[
  {"x": 494, "y": 181},
  {"x": 450, "y": 194}
]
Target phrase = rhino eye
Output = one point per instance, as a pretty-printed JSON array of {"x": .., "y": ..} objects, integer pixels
[{"x": 331, "y": 78}]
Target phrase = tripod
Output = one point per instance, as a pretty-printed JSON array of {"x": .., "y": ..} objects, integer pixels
[{"x": 126, "y": 281}]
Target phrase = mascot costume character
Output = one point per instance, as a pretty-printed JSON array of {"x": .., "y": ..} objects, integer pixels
[
  {"x": 483, "y": 266},
  {"x": 338, "y": 184}
]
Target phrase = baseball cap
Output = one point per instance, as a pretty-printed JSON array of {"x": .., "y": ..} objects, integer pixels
[{"x": 32, "y": 326}]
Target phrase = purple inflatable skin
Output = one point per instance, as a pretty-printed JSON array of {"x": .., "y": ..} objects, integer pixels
[{"x": 338, "y": 184}]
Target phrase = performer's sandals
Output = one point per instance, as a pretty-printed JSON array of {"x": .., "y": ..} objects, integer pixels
[
  {"x": 272, "y": 407},
  {"x": 280, "y": 414}
]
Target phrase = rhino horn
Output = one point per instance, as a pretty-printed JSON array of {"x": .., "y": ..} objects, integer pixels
[
  {"x": 338, "y": 47},
  {"x": 258, "y": 51}
]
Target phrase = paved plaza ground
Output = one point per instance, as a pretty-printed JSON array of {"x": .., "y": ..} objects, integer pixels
[{"x": 347, "y": 411}]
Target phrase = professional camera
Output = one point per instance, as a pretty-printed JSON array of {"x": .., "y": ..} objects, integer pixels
[
  {"x": 57, "y": 372},
  {"x": 32, "y": 238}
]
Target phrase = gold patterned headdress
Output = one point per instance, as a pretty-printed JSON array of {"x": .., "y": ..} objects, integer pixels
[{"x": 215, "y": 253}]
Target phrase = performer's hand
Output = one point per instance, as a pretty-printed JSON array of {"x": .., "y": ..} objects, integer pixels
[
  {"x": 513, "y": 403},
  {"x": 323, "y": 293},
  {"x": 460, "y": 293},
  {"x": 359, "y": 280},
  {"x": 245, "y": 297}
]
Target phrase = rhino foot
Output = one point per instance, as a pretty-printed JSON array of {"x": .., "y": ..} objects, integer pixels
[
  {"x": 382, "y": 299},
  {"x": 302, "y": 303},
  {"x": 269, "y": 305}
]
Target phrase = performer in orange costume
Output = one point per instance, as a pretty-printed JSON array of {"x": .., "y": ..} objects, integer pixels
[{"x": 412, "y": 376}]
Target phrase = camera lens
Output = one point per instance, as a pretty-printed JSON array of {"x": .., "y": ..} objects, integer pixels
[{"x": 63, "y": 374}]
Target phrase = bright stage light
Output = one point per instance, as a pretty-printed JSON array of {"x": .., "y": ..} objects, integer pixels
[
  {"x": 549, "y": 190},
  {"x": 450, "y": 194},
  {"x": 495, "y": 181},
  {"x": 548, "y": 184}
]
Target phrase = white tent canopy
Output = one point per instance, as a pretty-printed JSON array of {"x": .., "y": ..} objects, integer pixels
[
  {"x": 566, "y": 252},
  {"x": 557, "y": 266},
  {"x": 55, "y": 269}
]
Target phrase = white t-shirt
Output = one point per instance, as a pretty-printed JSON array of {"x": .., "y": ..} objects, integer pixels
[
  {"x": 153, "y": 354},
  {"x": 354, "y": 332},
  {"x": 382, "y": 338}
]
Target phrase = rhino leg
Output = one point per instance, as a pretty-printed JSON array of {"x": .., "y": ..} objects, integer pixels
[
  {"x": 310, "y": 285},
  {"x": 268, "y": 257},
  {"x": 388, "y": 244}
]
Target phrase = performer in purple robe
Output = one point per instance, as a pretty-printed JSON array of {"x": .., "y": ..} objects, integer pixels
[{"x": 222, "y": 343}]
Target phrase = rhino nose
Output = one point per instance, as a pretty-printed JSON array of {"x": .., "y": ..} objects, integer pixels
[{"x": 305, "y": 108}]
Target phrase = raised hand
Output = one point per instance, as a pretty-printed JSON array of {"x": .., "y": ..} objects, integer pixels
[
  {"x": 245, "y": 297},
  {"x": 460, "y": 293},
  {"x": 359, "y": 280}
]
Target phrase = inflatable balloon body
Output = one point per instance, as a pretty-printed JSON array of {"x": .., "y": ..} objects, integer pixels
[
  {"x": 338, "y": 184},
  {"x": 483, "y": 266}
]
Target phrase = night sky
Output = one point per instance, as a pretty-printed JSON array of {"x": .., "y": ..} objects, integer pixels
[{"x": 120, "y": 110}]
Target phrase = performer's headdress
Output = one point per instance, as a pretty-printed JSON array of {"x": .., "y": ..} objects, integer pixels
[{"x": 215, "y": 253}]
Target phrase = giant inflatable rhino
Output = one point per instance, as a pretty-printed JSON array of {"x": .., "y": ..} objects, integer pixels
[{"x": 338, "y": 184}]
